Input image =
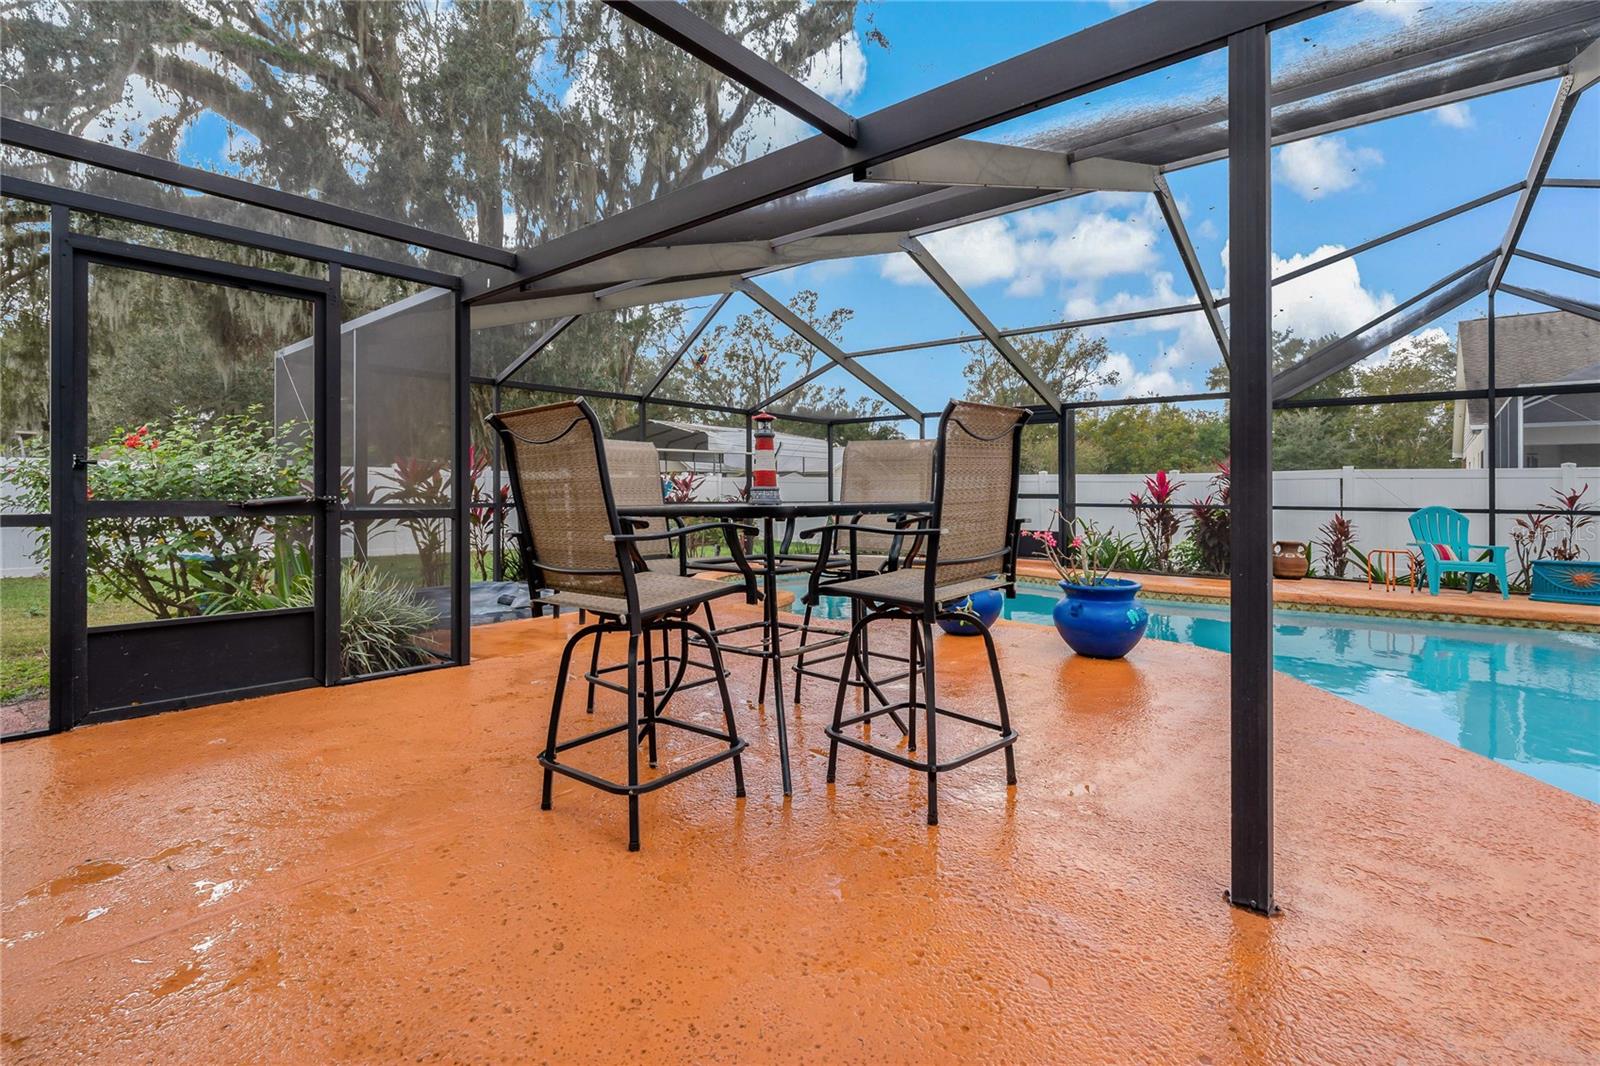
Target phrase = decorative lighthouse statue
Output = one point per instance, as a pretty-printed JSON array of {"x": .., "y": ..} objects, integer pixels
[{"x": 764, "y": 464}]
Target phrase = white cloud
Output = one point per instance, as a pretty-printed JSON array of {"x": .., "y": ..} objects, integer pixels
[
  {"x": 1330, "y": 300},
  {"x": 1063, "y": 244},
  {"x": 1404, "y": 12},
  {"x": 1457, "y": 116},
  {"x": 1135, "y": 382},
  {"x": 1321, "y": 165}
]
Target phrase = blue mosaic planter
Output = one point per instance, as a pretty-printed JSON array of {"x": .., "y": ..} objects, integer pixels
[
  {"x": 1101, "y": 621},
  {"x": 1565, "y": 581}
]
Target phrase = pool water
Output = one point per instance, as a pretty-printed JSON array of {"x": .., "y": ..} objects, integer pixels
[{"x": 1526, "y": 698}]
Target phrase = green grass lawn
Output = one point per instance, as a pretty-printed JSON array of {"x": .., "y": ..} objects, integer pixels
[{"x": 25, "y": 634}]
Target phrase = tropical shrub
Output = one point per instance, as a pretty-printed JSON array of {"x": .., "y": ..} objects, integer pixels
[
  {"x": 1211, "y": 523},
  {"x": 1568, "y": 523},
  {"x": 1157, "y": 517},
  {"x": 423, "y": 483},
  {"x": 168, "y": 566},
  {"x": 1336, "y": 539},
  {"x": 379, "y": 619}
]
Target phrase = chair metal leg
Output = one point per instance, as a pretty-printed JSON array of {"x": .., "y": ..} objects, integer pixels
[
  {"x": 633, "y": 739},
  {"x": 555, "y": 709},
  {"x": 800, "y": 659},
  {"x": 727, "y": 701},
  {"x": 650, "y": 694},
  {"x": 1000, "y": 700},
  {"x": 913, "y": 653},
  {"x": 847, "y": 663},
  {"x": 594, "y": 667},
  {"x": 926, "y": 635}
]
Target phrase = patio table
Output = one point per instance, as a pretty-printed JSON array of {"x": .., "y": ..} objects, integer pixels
[{"x": 765, "y": 564}]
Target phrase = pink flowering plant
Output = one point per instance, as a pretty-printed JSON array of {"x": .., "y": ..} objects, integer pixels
[{"x": 1087, "y": 558}]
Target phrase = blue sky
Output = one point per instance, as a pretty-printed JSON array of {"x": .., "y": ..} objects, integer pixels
[{"x": 1109, "y": 252}]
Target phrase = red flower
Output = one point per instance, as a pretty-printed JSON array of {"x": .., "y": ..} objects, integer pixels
[{"x": 1077, "y": 542}]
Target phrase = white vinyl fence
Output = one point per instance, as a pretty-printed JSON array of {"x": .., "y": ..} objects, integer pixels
[{"x": 1326, "y": 491}]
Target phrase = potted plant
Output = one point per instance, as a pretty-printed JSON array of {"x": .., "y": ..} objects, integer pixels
[
  {"x": 1099, "y": 615},
  {"x": 1565, "y": 577}
]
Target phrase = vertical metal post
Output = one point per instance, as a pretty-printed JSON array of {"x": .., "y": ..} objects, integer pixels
[
  {"x": 327, "y": 432},
  {"x": 830, "y": 462},
  {"x": 1250, "y": 439},
  {"x": 69, "y": 481},
  {"x": 496, "y": 512},
  {"x": 1067, "y": 469},
  {"x": 461, "y": 490},
  {"x": 1491, "y": 450}
]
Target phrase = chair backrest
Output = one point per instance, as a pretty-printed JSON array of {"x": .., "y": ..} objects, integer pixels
[
  {"x": 1441, "y": 525},
  {"x": 558, "y": 469},
  {"x": 885, "y": 471},
  {"x": 636, "y": 481},
  {"x": 975, "y": 469}
]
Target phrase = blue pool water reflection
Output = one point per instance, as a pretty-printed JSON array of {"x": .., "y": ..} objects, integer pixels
[{"x": 1526, "y": 698}]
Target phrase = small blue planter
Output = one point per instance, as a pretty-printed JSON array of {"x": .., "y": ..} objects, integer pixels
[
  {"x": 1565, "y": 581},
  {"x": 986, "y": 605},
  {"x": 1101, "y": 621}
]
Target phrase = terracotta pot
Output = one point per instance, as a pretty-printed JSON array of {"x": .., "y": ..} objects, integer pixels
[{"x": 1289, "y": 560}]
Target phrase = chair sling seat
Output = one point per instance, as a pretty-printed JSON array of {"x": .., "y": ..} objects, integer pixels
[
  {"x": 658, "y": 594},
  {"x": 908, "y": 587}
]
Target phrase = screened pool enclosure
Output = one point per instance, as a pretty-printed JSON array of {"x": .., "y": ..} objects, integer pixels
[{"x": 252, "y": 331}]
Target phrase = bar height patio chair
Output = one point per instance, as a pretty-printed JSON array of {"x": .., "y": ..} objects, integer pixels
[
  {"x": 579, "y": 556},
  {"x": 970, "y": 544},
  {"x": 635, "y": 472},
  {"x": 872, "y": 471}
]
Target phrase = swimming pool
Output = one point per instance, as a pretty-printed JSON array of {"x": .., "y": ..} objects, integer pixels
[{"x": 1526, "y": 698}]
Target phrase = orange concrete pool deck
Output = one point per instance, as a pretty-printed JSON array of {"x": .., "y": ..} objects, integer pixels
[
  {"x": 1320, "y": 594},
  {"x": 363, "y": 874}
]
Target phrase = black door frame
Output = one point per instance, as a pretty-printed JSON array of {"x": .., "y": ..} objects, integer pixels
[{"x": 72, "y": 254}]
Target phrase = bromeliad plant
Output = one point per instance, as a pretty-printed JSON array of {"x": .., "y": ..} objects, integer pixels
[
  {"x": 1088, "y": 558},
  {"x": 422, "y": 483},
  {"x": 1157, "y": 517}
]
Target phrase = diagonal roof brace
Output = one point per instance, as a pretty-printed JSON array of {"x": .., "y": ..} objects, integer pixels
[
  {"x": 688, "y": 342},
  {"x": 989, "y": 165},
  {"x": 534, "y": 349},
  {"x": 515, "y": 312},
  {"x": 1191, "y": 265},
  {"x": 1560, "y": 303},
  {"x": 776, "y": 308},
  {"x": 674, "y": 22},
  {"x": 701, "y": 260},
  {"x": 1581, "y": 73},
  {"x": 1446, "y": 294},
  {"x": 974, "y": 314},
  {"x": 1103, "y": 54}
]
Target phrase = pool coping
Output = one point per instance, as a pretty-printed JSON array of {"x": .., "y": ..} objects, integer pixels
[{"x": 1317, "y": 596}]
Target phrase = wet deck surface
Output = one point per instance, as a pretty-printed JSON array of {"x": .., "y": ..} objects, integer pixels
[{"x": 364, "y": 874}]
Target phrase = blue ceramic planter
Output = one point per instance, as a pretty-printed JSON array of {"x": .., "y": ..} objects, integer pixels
[
  {"x": 986, "y": 605},
  {"x": 1102, "y": 621}
]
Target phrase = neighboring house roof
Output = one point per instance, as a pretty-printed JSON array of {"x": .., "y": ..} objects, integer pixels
[{"x": 1533, "y": 349}]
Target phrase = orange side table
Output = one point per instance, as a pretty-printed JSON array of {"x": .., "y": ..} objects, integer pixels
[{"x": 1391, "y": 570}]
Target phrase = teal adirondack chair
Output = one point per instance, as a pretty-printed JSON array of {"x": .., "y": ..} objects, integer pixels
[{"x": 1440, "y": 526}]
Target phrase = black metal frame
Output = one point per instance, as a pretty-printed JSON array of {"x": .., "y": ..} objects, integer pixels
[
  {"x": 1113, "y": 51},
  {"x": 71, "y": 256}
]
